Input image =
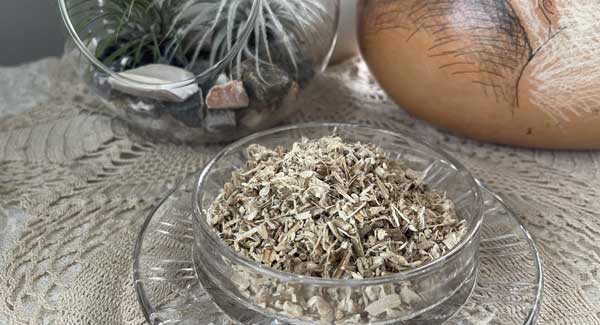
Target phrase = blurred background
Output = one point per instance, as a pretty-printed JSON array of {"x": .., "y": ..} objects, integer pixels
[{"x": 31, "y": 29}]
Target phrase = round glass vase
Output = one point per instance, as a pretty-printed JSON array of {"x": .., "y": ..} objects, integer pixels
[
  {"x": 201, "y": 70},
  {"x": 428, "y": 294}
]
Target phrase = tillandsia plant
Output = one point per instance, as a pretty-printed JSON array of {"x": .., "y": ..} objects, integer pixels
[
  {"x": 127, "y": 32},
  {"x": 200, "y": 34}
]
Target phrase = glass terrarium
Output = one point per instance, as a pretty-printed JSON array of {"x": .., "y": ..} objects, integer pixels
[{"x": 201, "y": 70}]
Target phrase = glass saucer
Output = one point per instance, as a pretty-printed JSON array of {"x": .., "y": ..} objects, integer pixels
[{"x": 508, "y": 289}]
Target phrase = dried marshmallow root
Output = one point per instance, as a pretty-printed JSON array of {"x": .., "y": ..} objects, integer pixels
[
  {"x": 330, "y": 209},
  {"x": 323, "y": 308},
  {"x": 385, "y": 304}
]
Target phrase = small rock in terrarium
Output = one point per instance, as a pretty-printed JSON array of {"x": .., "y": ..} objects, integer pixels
[
  {"x": 155, "y": 75},
  {"x": 190, "y": 112},
  {"x": 245, "y": 55},
  {"x": 260, "y": 110},
  {"x": 229, "y": 95},
  {"x": 266, "y": 84},
  {"x": 220, "y": 120}
]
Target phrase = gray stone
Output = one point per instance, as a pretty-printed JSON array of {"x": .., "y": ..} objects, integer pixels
[
  {"x": 218, "y": 121},
  {"x": 305, "y": 73},
  {"x": 222, "y": 79},
  {"x": 261, "y": 113},
  {"x": 190, "y": 112},
  {"x": 304, "y": 69},
  {"x": 271, "y": 85}
]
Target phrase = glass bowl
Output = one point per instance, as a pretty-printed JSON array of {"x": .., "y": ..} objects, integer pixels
[
  {"x": 201, "y": 70},
  {"x": 171, "y": 290},
  {"x": 290, "y": 298}
]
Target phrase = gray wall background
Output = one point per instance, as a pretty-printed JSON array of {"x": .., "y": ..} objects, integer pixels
[{"x": 29, "y": 30}]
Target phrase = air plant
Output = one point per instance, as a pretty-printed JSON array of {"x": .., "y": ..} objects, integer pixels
[
  {"x": 221, "y": 33},
  {"x": 132, "y": 32},
  {"x": 256, "y": 30}
]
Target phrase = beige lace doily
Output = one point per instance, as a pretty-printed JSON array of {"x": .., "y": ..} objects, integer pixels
[{"x": 76, "y": 187}]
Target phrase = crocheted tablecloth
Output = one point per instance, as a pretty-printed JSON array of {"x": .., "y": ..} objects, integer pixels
[{"x": 76, "y": 186}]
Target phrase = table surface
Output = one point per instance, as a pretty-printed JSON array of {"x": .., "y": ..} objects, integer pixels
[{"x": 76, "y": 186}]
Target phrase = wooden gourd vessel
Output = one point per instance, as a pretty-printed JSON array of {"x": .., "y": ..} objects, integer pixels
[{"x": 518, "y": 72}]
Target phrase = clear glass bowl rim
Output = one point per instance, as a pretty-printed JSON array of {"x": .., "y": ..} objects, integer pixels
[
  {"x": 200, "y": 218},
  {"x": 64, "y": 12}
]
